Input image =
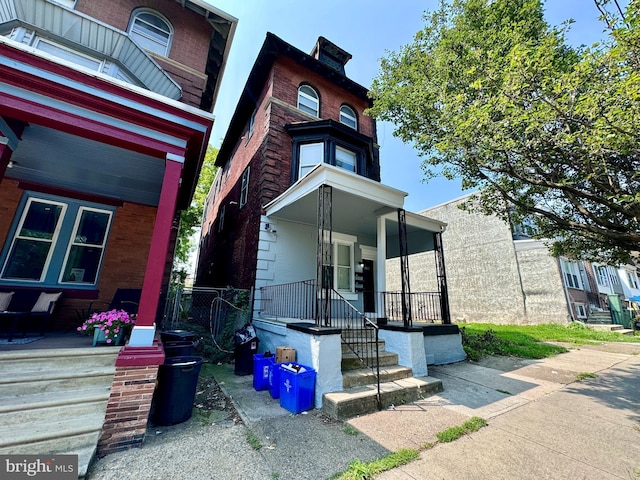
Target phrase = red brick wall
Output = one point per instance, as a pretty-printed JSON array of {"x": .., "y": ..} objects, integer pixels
[
  {"x": 125, "y": 256},
  {"x": 231, "y": 255},
  {"x": 128, "y": 408},
  {"x": 192, "y": 34}
]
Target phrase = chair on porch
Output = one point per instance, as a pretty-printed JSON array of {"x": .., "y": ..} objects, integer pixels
[
  {"x": 21, "y": 308},
  {"x": 126, "y": 299}
]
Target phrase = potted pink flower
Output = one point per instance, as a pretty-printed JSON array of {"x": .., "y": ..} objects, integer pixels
[{"x": 108, "y": 327}]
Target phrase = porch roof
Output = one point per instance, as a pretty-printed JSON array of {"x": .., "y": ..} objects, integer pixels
[{"x": 357, "y": 203}]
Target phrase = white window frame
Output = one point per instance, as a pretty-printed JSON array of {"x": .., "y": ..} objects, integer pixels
[
  {"x": 349, "y": 241},
  {"x": 581, "y": 310},
  {"x": 244, "y": 186},
  {"x": 73, "y": 242},
  {"x": 139, "y": 34},
  {"x": 68, "y": 54},
  {"x": 602, "y": 276},
  {"x": 307, "y": 166},
  {"x": 252, "y": 122},
  {"x": 571, "y": 274},
  {"x": 348, "y": 117},
  {"x": 633, "y": 279},
  {"x": 348, "y": 152},
  {"x": 315, "y": 98},
  {"x": 52, "y": 241}
]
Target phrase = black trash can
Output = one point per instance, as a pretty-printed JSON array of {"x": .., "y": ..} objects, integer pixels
[
  {"x": 176, "y": 390},
  {"x": 243, "y": 355},
  {"x": 178, "y": 349},
  {"x": 177, "y": 336}
]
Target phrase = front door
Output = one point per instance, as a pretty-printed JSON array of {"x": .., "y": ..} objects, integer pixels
[{"x": 368, "y": 287}]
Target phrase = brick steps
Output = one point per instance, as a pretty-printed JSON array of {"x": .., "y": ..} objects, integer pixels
[{"x": 54, "y": 401}]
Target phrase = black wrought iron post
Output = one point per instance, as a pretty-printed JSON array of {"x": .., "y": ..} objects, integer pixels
[
  {"x": 324, "y": 260},
  {"x": 407, "y": 317},
  {"x": 442, "y": 279}
]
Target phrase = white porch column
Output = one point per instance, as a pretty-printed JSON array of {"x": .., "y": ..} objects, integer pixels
[{"x": 381, "y": 280}]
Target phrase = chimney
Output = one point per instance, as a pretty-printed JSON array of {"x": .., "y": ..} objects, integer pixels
[{"x": 330, "y": 54}]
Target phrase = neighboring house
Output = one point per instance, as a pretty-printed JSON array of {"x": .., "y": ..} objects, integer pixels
[
  {"x": 105, "y": 116},
  {"x": 496, "y": 273},
  {"x": 297, "y": 211}
]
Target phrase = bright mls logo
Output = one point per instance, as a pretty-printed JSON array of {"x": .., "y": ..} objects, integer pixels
[{"x": 51, "y": 467}]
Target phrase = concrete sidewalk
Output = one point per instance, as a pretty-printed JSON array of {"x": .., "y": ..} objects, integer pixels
[{"x": 542, "y": 422}]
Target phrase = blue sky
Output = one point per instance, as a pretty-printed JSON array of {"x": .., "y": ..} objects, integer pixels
[{"x": 366, "y": 29}]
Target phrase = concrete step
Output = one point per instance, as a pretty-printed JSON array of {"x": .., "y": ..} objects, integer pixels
[
  {"x": 15, "y": 383},
  {"x": 362, "y": 400},
  {"x": 367, "y": 376},
  {"x": 363, "y": 346},
  {"x": 17, "y": 403},
  {"x": 37, "y": 415},
  {"x": 610, "y": 327},
  {"x": 350, "y": 361},
  {"x": 63, "y": 359}
]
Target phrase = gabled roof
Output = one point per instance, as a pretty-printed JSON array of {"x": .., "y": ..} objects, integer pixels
[{"x": 272, "y": 48}]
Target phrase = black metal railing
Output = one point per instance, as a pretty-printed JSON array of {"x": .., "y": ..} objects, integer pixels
[
  {"x": 425, "y": 306},
  {"x": 296, "y": 300},
  {"x": 302, "y": 300}
]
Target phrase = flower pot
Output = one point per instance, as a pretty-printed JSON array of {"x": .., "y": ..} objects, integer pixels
[{"x": 99, "y": 338}]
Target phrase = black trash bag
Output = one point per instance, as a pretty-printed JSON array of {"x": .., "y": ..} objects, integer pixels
[{"x": 245, "y": 334}]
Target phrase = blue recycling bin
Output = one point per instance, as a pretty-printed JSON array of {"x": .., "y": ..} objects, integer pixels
[
  {"x": 261, "y": 371},
  {"x": 297, "y": 388},
  {"x": 274, "y": 379}
]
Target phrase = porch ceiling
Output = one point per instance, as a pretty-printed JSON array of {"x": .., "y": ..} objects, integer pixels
[
  {"x": 66, "y": 161},
  {"x": 357, "y": 203}
]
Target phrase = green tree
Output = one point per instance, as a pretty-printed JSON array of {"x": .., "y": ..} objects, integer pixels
[
  {"x": 492, "y": 94},
  {"x": 191, "y": 218}
]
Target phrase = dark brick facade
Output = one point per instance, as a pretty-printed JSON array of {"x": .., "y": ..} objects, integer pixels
[{"x": 228, "y": 258}]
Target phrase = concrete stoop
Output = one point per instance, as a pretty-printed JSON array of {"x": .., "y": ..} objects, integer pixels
[
  {"x": 610, "y": 327},
  {"x": 359, "y": 394},
  {"x": 54, "y": 401},
  {"x": 362, "y": 400}
]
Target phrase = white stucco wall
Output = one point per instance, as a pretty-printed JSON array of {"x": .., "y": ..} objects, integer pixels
[
  {"x": 444, "y": 349},
  {"x": 320, "y": 352},
  {"x": 410, "y": 349}
]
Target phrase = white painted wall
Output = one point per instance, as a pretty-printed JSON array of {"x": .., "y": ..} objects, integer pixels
[
  {"x": 320, "y": 352},
  {"x": 410, "y": 349},
  {"x": 444, "y": 349}
]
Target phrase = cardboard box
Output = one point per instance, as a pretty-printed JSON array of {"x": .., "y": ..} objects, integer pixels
[{"x": 285, "y": 354}]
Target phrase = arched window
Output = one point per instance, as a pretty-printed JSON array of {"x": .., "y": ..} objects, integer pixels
[
  {"x": 308, "y": 100},
  {"x": 151, "y": 31},
  {"x": 348, "y": 117}
]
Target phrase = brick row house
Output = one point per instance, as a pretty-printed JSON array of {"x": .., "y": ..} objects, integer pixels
[
  {"x": 105, "y": 117},
  {"x": 297, "y": 212},
  {"x": 499, "y": 274}
]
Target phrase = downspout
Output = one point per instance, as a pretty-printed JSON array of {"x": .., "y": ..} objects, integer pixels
[{"x": 566, "y": 292}]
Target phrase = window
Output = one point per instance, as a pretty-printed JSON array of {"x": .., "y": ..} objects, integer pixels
[
  {"x": 151, "y": 31},
  {"x": 57, "y": 241},
  {"x": 571, "y": 274},
  {"x": 244, "y": 187},
  {"x": 601, "y": 275},
  {"x": 308, "y": 100},
  {"x": 345, "y": 159},
  {"x": 252, "y": 122},
  {"x": 340, "y": 266},
  {"x": 581, "y": 311},
  {"x": 221, "y": 218},
  {"x": 348, "y": 117},
  {"x": 633, "y": 279},
  {"x": 311, "y": 154}
]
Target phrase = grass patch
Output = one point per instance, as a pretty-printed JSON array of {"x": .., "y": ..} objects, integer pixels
[
  {"x": 584, "y": 375},
  {"x": 349, "y": 430},
  {"x": 450, "y": 434},
  {"x": 480, "y": 339},
  {"x": 253, "y": 440},
  {"x": 366, "y": 470}
]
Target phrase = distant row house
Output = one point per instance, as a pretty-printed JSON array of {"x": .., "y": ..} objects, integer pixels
[{"x": 497, "y": 273}]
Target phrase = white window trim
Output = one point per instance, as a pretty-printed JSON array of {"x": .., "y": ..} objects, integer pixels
[
  {"x": 581, "y": 310},
  {"x": 150, "y": 11},
  {"x": 350, "y": 241},
  {"x": 308, "y": 165},
  {"x": 350, "y": 115},
  {"x": 72, "y": 242},
  {"x": 53, "y": 241},
  {"x": 567, "y": 270},
  {"x": 315, "y": 99},
  {"x": 252, "y": 124}
]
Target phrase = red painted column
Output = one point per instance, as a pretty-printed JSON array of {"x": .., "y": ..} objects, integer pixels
[{"x": 144, "y": 331}]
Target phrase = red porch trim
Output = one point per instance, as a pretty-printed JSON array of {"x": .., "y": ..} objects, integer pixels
[{"x": 159, "y": 245}]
